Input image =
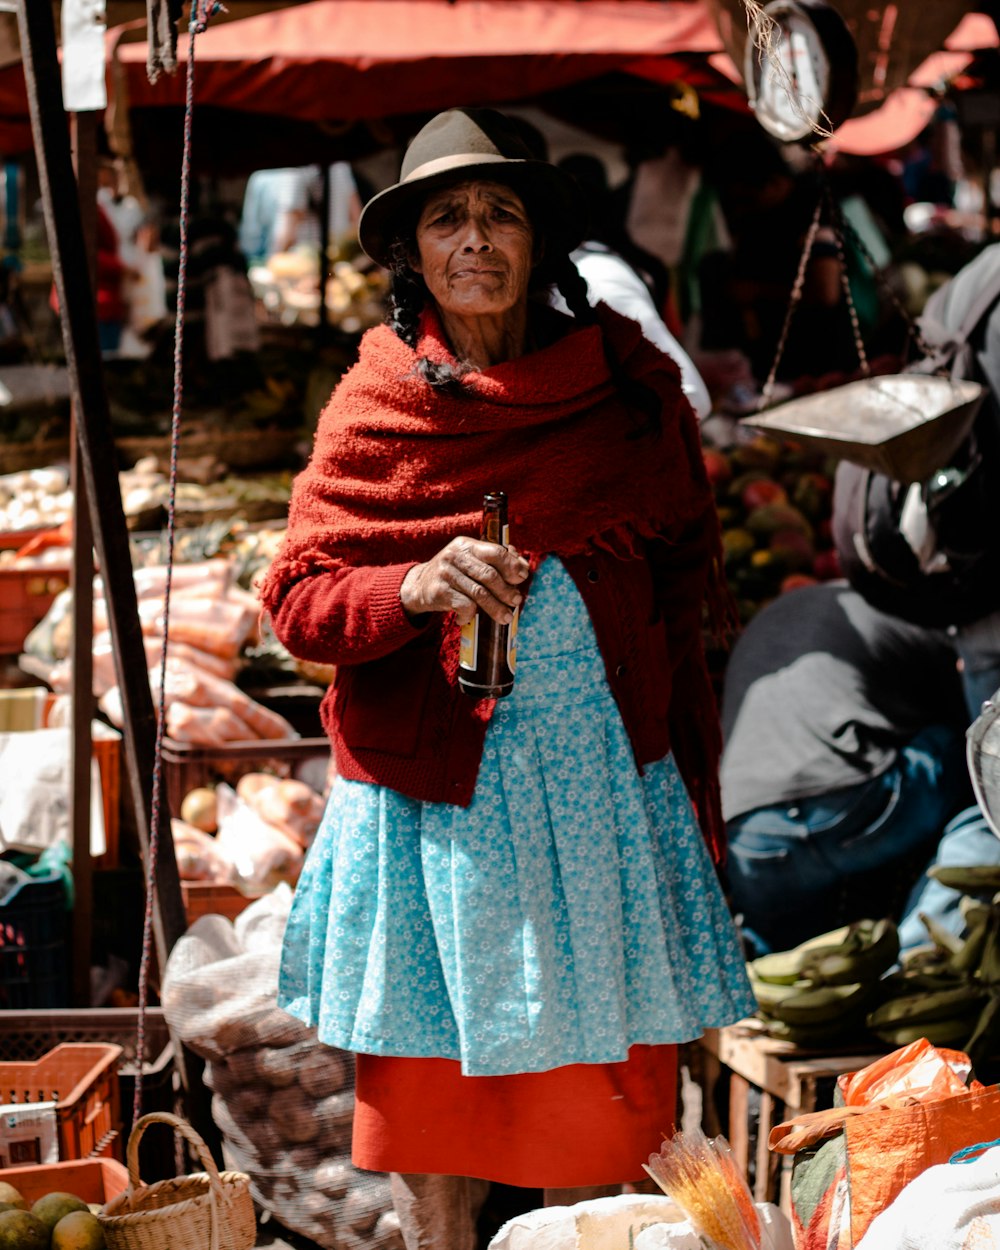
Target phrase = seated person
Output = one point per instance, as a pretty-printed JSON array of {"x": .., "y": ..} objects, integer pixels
[{"x": 843, "y": 761}]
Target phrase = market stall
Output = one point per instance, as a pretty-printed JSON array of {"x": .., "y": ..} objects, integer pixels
[{"x": 247, "y": 800}]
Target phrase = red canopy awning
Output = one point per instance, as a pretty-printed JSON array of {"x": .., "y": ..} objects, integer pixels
[{"x": 346, "y": 60}]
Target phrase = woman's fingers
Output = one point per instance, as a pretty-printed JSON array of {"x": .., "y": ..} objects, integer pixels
[{"x": 466, "y": 575}]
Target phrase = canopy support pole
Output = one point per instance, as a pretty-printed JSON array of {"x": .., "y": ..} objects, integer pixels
[{"x": 100, "y": 474}]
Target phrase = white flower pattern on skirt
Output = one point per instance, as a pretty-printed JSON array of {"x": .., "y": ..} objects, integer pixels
[{"x": 570, "y": 912}]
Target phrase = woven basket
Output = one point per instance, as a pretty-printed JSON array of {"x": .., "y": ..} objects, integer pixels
[{"x": 209, "y": 1210}]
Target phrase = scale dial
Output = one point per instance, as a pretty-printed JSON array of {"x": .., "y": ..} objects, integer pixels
[{"x": 806, "y": 85}]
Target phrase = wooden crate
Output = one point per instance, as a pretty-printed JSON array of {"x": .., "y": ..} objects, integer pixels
[{"x": 790, "y": 1081}]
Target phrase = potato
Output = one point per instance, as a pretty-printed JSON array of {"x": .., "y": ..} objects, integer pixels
[
  {"x": 276, "y": 1067},
  {"x": 366, "y": 1201},
  {"x": 334, "y": 1176},
  {"x": 387, "y": 1235},
  {"x": 241, "y": 1069},
  {"x": 325, "y": 1071},
  {"x": 294, "y": 1116},
  {"x": 278, "y": 1028}
]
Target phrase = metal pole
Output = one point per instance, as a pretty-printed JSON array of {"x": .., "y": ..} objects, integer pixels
[{"x": 84, "y": 138}]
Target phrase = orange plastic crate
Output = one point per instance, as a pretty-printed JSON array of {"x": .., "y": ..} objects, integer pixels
[
  {"x": 92, "y": 1180},
  {"x": 85, "y": 1077}
]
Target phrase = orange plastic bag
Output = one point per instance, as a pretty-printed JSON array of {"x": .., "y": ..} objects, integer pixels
[
  {"x": 888, "y": 1149},
  {"x": 921, "y": 1070}
]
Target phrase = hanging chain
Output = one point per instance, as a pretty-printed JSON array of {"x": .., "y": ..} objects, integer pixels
[
  {"x": 201, "y": 12},
  {"x": 838, "y": 219},
  {"x": 793, "y": 303},
  {"x": 912, "y": 325}
]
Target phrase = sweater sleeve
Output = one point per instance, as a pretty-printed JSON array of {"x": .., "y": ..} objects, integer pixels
[{"x": 345, "y": 615}]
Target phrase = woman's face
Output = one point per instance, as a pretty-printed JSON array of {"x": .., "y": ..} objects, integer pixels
[{"x": 475, "y": 249}]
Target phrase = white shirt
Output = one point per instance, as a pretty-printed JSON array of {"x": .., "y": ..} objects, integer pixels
[{"x": 612, "y": 281}]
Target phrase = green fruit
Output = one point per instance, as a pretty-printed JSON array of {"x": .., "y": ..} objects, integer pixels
[
  {"x": 51, "y": 1208},
  {"x": 823, "y": 1004},
  {"x": 939, "y": 935},
  {"x": 78, "y": 1231},
  {"x": 769, "y": 995},
  {"x": 818, "y": 1036},
  {"x": 968, "y": 878},
  {"x": 927, "y": 1007},
  {"x": 20, "y": 1230},
  {"x": 869, "y": 950},
  {"x": 985, "y": 1039},
  {"x": 952, "y": 1033},
  {"x": 784, "y": 967},
  {"x": 11, "y": 1196}
]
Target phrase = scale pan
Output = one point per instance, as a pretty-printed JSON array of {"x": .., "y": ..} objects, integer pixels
[
  {"x": 905, "y": 425},
  {"x": 983, "y": 753}
]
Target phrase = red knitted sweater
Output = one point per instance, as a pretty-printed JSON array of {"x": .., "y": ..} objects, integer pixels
[{"x": 398, "y": 470}]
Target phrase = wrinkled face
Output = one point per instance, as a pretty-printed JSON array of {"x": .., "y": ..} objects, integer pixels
[{"x": 475, "y": 249}]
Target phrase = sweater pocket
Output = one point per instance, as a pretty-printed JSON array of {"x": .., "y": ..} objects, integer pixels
[{"x": 381, "y": 705}]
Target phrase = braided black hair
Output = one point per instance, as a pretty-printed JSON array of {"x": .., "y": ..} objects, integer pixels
[{"x": 408, "y": 297}]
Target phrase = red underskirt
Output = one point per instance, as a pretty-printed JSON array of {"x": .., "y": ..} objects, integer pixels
[{"x": 586, "y": 1124}]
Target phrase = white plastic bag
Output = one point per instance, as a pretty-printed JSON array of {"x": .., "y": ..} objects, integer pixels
[{"x": 642, "y": 1221}]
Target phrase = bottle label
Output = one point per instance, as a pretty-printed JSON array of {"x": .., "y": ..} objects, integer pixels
[
  {"x": 468, "y": 648},
  {"x": 505, "y": 537},
  {"x": 512, "y": 643}
]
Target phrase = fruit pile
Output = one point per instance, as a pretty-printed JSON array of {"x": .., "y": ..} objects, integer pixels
[
  {"x": 56, "y": 1221},
  {"x": 818, "y": 995},
  {"x": 843, "y": 988},
  {"x": 774, "y": 501}
]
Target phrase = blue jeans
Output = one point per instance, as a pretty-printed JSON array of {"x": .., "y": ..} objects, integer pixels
[
  {"x": 967, "y": 839},
  {"x": 978, "y": 647},
  {"x": 798, "y": 869}
]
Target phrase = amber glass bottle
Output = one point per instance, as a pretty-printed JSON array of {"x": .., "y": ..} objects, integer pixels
[{"x": 488, "y": 652}]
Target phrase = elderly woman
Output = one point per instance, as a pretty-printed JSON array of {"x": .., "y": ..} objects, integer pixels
[{"x": 510, "y": 913}]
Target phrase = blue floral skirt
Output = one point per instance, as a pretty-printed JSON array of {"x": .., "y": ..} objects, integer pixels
[{"x": 570, "y": 912}]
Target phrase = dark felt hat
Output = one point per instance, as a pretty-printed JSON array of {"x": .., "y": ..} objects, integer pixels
[{"x": 469, "y": 143}]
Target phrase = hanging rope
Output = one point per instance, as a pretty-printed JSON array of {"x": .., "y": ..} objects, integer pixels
[{"x": 201, "y": 12}]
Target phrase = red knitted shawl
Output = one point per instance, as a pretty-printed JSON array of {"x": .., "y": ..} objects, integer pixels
[{"x": 399, "y": 469}]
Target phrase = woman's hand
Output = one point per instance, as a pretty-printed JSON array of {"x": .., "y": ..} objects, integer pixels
[{"x": 466, "y": 575}]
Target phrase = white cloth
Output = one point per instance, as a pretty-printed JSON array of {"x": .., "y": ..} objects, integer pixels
[
  {"x": 953, "y": 1206},
  {"x": 612, "y": 281}
]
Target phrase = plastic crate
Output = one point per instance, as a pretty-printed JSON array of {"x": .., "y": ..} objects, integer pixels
[
  {"x": 92, "y": 1180},
  {"x": 34, "y": 964},
  {"x": 25, "y": 596},
  {"x": 29, "y": 1035},
  {"x": 186, "y": 767},
  {"x": 86, "y": 1079}
]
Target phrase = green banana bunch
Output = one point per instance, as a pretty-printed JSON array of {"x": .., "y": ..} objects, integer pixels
[
  {"x": 967, "y": 960},
  {"x": 818, "y": 1036},
  {"x": 824, "y": 1004},
  {"x": 870, "y": 949},
  {"x": 785, "y": 967},
  {"x": 942, "y": 938},
  {"x": 985, "y": 1040},
  {"x": 968, "y": 878},
  {"x": 769, "y": 995},
  {"x": 951, "y": 1033},
  {"x": 928, "y": 1007}
]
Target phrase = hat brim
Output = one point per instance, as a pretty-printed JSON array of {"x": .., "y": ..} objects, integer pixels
[{"x": 555, "y": 200}]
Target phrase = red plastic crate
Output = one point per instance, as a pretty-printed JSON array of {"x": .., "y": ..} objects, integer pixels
[
  {"x": 85, "y": 1077},
  {"x": 206, "y": 898},
  {"x": 25, "y": 596},
  {"x": 92, "y": 1180}
]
